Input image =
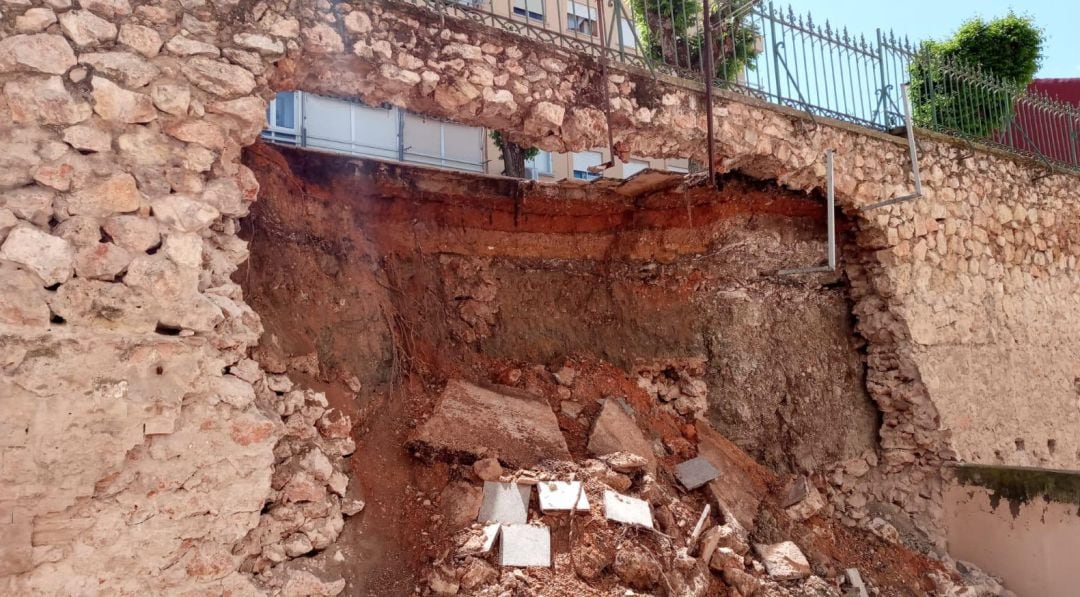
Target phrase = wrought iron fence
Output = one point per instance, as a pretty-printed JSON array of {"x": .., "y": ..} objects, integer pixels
[{"x": 779, "y": 56}]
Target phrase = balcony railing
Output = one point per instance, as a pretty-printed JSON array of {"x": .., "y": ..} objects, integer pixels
[{"x": 782, "y": 57}]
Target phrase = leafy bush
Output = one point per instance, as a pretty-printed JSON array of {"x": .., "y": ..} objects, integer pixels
[
  {"x": 968, "y": 84},
  {"x": 671, "y": 32}
]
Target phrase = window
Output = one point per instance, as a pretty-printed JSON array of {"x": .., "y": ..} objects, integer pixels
[
  {"x": 385, "y": 132},
  {"x": 581, "y": 18},
  {"x": 282, "y": 116},
  {"x": 429, "y": 141},
  {"x": 533, "y": 9},
  {"x": 540, "y": 165},
  {"x": 583, "y": 160},
  {"x": 633, "y": 167},
  {"x": 350, "y": 127}
]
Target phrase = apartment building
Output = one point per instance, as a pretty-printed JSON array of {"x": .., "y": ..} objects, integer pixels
[{"x": 386, "y": 132}]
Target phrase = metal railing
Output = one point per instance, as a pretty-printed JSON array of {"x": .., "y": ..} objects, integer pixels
[{"x": 776, "y": 55}]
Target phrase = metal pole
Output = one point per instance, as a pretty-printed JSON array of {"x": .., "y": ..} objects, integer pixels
[
  {"x": 830, "y": 219},
  {"x": 618, "y": 20},
  {"x": 912, "y": 149},
  {"x": 913, "y": 152},
  {"x": 830, "y": 205},
  {"x": 709, "y": 93}
]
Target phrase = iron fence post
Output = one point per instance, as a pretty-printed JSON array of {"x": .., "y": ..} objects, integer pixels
[
  {"x": 775, "y": 51},
  {"x": 883, "y": 105},
  {"x": 708, "y": 68}
]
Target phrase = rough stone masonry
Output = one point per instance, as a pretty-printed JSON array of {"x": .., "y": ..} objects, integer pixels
[{"x": 142, "y": 452}]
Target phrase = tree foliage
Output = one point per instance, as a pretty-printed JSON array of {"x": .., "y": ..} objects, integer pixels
[
  {"x": 968, "y": 83},
  {"x": 671, "y": 32}
]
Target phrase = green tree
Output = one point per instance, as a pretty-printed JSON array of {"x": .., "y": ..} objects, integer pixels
[{"x": 968, "y": 83}]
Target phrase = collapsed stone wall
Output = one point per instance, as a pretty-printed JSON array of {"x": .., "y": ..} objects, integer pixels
[
  {"x": 961, "y": 294},
  {"x": 120, "y": 192}
]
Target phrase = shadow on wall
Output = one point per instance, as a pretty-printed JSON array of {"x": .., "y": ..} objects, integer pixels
[{"x": 1020, "y": 525}]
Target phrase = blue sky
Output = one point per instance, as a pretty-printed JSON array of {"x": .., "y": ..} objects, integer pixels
[{"x": 937, "y": 19}]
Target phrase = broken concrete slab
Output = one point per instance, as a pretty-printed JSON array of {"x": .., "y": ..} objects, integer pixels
[
  {"x": 809, "y": 501},
  {"x": 624, "y": 462},
  {"x": 783, "y": 561},
  {"x": 471, "y": 422},
  {"x": 507, "y": 503},
  {"x": 482, "y": 542},
  {"x": 742, "y": 484},
  {"x": 627, "y": 510},
  {"x": 616, "y": 431},
  {"x": 525, "y": 545},
  {"x": 695, "y": 473},
  {"x": 560, "y": 496},
  {"x": 856, "y": 586}
]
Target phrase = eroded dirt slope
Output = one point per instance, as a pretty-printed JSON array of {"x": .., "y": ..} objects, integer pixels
[{"x": 377, "y": 283}]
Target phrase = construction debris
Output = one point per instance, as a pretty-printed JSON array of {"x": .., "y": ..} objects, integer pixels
[
  {"x": 506, "y": 503},
  {"x": 856, "y": 586},
  {"x": 624, "y": 462},
  {"x": 525, "y": 545},
  {"x": 481, "y": 542},
  {"x": 558, "y": 496},
  {"x": 627, "y": 510},
  {"x": 783, "y": 561},
  {"x": 743, "y": 486},
  {"x": 700, "y": 526},
  {"x": 615, "y": 431},
  {"x": 804, "y": 500},
  {"x": 470, "y": 422},
  {"x": 695, "y": 473}
]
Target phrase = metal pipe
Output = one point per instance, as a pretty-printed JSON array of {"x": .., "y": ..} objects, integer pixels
[
  {"x": 709, "y": 93},
  {"x": 830, "y": 205}
]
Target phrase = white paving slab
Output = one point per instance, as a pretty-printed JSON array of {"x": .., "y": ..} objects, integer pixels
[
  {"x": 627, "y": 510},
  {"x": 559, "y": 496},
  {"x": 507, "y": 503},
  {"x": 525, "y": 545}
]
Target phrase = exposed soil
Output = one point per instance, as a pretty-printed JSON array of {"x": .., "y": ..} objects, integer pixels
[{"x": 400, "y": 278}]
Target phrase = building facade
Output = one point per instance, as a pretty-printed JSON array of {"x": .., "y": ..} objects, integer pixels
[{"x": 385, "y": 132}]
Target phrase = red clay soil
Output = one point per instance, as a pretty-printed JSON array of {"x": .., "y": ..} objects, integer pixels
[{"x": 431, "y": 210}]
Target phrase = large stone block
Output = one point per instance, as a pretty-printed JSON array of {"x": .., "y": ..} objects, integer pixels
[{"x": 48, "y": 256}]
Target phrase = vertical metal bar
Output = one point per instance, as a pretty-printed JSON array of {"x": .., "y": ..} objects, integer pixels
[
  {"x": 883, "y": 101},
  {"x": 830, "y": 205},
  {"x": 912, "y": 150},
  {"x": 776, "y": 52},
  {"x": 709, "y": 92},
  {"x": 618, "y": 20}
]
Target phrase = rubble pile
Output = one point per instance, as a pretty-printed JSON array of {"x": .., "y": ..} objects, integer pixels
[
  {"x": 679, "y": 386},
  {"x": 632, "y": 517},
  {"x": 310, "y": 491}
]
